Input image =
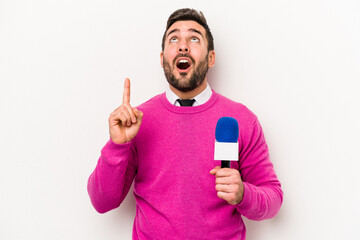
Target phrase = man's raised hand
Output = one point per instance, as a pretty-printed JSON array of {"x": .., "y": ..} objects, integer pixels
[{"x": 125, "y": 121}]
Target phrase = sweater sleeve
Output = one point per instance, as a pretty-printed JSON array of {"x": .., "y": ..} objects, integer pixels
[
  {"x": 111, "y": 180},
  {"x": 262, "y": 190}
]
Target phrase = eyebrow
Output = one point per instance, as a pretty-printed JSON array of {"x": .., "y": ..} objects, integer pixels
[{"x": 190, "y": 29}]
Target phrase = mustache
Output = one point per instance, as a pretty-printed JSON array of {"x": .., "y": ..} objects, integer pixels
[{"x": 183, "y": 55}]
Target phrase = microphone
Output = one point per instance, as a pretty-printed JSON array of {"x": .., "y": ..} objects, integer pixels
[{"x": 226, "y": 143}]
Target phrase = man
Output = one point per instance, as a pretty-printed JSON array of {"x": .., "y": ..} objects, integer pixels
[{"x": 167, "y": 146}]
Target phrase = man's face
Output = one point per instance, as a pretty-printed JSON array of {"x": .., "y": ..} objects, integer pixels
[{"x": 185, "y": 58}]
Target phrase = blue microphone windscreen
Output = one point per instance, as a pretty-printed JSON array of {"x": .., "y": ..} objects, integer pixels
[{"x": 227, "y": 130}]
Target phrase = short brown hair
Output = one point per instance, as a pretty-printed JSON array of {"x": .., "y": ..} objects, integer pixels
[{"x": 188, "y": 14}]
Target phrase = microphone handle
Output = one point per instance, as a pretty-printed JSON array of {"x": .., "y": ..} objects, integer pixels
[{"x": 225, "y": 164}]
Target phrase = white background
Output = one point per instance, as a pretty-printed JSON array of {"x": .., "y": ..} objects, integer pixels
[{"x": 296, "y": 64}]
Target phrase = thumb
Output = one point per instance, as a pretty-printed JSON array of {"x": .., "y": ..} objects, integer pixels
[
  {"x": 139, "y": 114},
  {"x": 214, "y": 170}
]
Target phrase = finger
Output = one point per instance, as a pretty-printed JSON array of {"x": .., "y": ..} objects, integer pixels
[
  {"x": 127, "y": 116},
  {"x": 131, "y": 112},
  {"x": 225, "y": 188},
  {"x": 229, "y": 197},
  {"x": 114, "y": 117},
  {"x": 214, "y": 170},
  {"x": 223, "y": 195},
  {"x": 226, "y": 172},
  {"x": 115, "y": 114},
  {"x": 122, "y": 119},
  {"x": 119, "y": 117},
  {"x": 126, "y": 94},
  {"x": 223, "y": 180},
  {"x": 138, "y": 114}
]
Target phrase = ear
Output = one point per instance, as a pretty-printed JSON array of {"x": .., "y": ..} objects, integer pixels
[
  {"x": 211, "y": 59},
  {"x": 162, "y": 59}
]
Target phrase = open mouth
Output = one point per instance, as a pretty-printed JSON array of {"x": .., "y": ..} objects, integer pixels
[{"x": 183, "y": 64}]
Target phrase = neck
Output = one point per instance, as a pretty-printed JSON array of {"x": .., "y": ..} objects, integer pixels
[{"x": 191, "y": 94}]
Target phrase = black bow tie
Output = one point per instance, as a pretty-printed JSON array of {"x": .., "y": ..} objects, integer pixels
[{"x": 186, "y": 102}]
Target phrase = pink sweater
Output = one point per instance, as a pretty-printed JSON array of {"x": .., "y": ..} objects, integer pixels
[{"x": 170, "y": 160}]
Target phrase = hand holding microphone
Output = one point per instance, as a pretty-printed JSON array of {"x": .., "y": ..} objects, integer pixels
[
  {"x": 125, "y": 121},
  {"x": 229, "y": 185}
]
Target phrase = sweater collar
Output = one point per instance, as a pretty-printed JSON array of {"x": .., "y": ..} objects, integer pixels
[
  {"x": 200, "y": 99},
  {"x": 195, "y": 109}
]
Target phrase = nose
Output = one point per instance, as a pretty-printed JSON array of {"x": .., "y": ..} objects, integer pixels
[
  {"x": 183, "y": 47},
  {"x": 183, "y": 50}
]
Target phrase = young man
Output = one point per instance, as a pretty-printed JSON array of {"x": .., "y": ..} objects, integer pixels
[{"x": 167, "y": 146}]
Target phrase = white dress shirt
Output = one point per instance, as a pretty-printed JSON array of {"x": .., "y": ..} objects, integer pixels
[{"x": 201, "y": 98}]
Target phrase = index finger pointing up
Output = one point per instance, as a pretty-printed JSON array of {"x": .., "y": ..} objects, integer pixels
[{"x": 126, "y": 95}]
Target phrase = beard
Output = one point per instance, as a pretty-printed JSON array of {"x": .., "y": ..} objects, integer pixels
[{"x": 186, "y": 83}]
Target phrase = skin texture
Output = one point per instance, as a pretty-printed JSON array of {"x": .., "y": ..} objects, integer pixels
[
  {"x": 229, "y": 185},
  {"x": 125, "y": 121},
  {"x": 186, "y": 40}
]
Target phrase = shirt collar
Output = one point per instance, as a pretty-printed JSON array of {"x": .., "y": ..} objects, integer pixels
[{"x": 201, "y": 98}]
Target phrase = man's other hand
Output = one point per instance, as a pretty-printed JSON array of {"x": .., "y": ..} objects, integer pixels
[{"x": 229, "y": 185}]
